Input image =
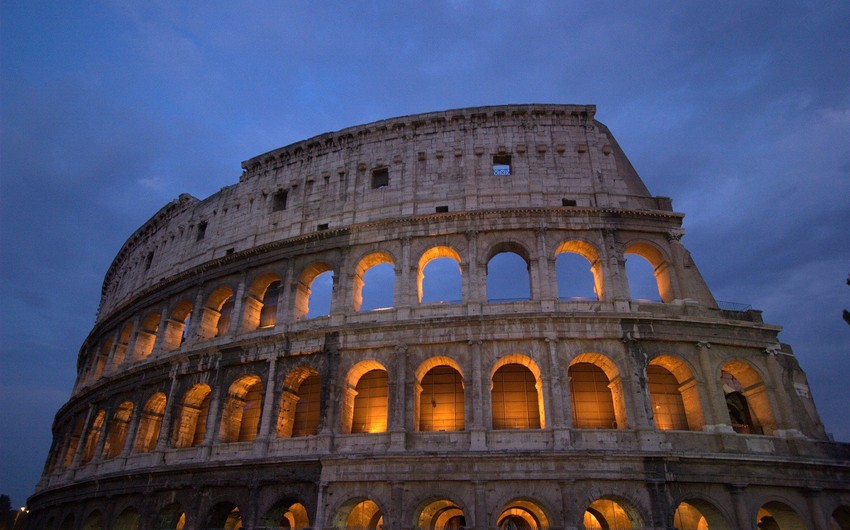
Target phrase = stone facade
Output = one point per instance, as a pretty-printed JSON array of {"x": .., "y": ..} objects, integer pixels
[{"x": 212, "y": 394}]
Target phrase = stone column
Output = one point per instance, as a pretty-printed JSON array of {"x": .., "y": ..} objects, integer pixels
[
  {"x": 167, "y": 415},
  {"x": 285, "y": 309},
  {"x": 164, "y": 318},
  {"x": 744, "y": 521},
  {"x": 473, "y": 282},
  {"x": 816, "y": 515},
  {"x": 556, "y": 401},
  {"x": 482, "y": 511},
  {"x": 132, "y": 427},
  {"x": 268, "y": 401},
  {"x": 544, "y": 288},
  {"x": 716, "y": 415},
  {"x": 81, "y": 442},
  {"x": 614, "y": 271},
  {"x": 638, "y": 395},
  {"x": 403, "y": 283},
  {"x": 397, "y": 517},
  {"x": 238, "y": 303},
  {"x": 478, "y": 409},
  {"x": 784, "y": 415}
]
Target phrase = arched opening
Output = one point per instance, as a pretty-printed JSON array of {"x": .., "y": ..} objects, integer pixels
[
  {"x": 289, "y": 515},
  {"x": 172, "y": 517},
  {"x": 778, "y": 516},
  {"x": 746, "y": 398},
  {"x": 522, "y": 514},
  {"x": 649, "y": 276},
  {"x": 668, "y": 407},
  {"x": 146, "y": 336},
  {"x": 116, "y": 433},
  {"x": 840, "y": 518},
  {"x": 577, "y": 281},
  {"x": 240, "y": 416},
  {"x": 120, "y": 353},
  {"x": 696, "y": 514},
  {"x": 439, "y": 276},
  {"x": 73, "y": 442},
  {"x": 217, "y": 314},
  {"x": 441, "y": 514},
  {"x": 67, "y": 522},
  {"x": 365, "y": 515},
  {"x": 508, "y": 277},
  {"x": 150, "y": 423},
  {"x": 300, "y": 404},
  {"x": 515, "y": 397},
  {"x": 189, "y": 431},
  {"x": 177, "y": 326},
  {"x": 93, "y": 436},
  {"x": 610, "y": 514},
  {"x": 102, "y": 357},
  {"x": 441, "y": 400},
  {"x": 591, "y": 397},
  {"x": 374, "y": 282},
  {"x": 224, "y": 515},
  {"x": 371, "y": 400},
  {"x": 313, "y": 291},
  {"x": 260, "y": 305},
  {"x": 93, "y": 522},
  {"x": 128, "y": 520}
]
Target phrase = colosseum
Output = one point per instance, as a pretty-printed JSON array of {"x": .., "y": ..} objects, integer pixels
[{"x": 426, "y": 322}]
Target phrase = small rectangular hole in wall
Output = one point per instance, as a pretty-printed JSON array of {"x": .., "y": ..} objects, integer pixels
[
  {"x": 229, "y": 251},
  {"x": 442, "y": 209},
  {"x": 279, "y": 200},
  {"x": 568, "y": 202},
  {"x": 323, "y": 226},
  {"x": 148, "y": 260},
  {"x": 380, "y": 178},
  {"x": 501, "y": 165},
  {"x": 202, "y": 231}
]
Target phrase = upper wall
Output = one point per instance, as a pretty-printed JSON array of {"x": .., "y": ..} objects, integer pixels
[{"x": 443, "y": 161}]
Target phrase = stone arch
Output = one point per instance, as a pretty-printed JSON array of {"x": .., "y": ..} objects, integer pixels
[
  {"x": 93, "y": 521},
  {"x": 67, "y": 522},
  {"x": 747, "y": 399},
  {"x": 240, "y": 415},
  {"x": 120, "y": 353},
  {"x": 439, "y": 513},
  {"x": 146, "y": 336},
  {"x": 698, "y": 514},
  {"x": 439, "y": 402},
  {"x": 225, "y": 515},
  {"x": 73, "y": 441},
  {"x": 128, "y": 519},
  {"x": 522, "y": 514},
  {"x": 674, "y": 394},
  {"x": 102, "y": 358},
  {"x": 300, "y": 403},
  {"x": 596, "y": 393},
  {"x": 304, "y": 286},
  {"x": 496, "y": 278},
  {"x": 171, "y": 517},
  {"x": 190, "y": 429},
  {"x": 359, "y": 513},
  {"x": 514, "y": 405},
  {"x": 777, "y": 515},
  {"x": 366, "y": 263},
  {"x": 365, "y": 403},
  {"x": 93, "y": 436},
  {"x": 150, "y": 423},
  {"x": 841, "y": 518},
  {"x": 589, "y": 252},
  {"x": 217, "y": 314},
  {"x": 660, "y": 266},
  {"x": 177, "y": 326},
  {"x": 287, "y": 513},
  {"x": 116, "y": 432},
  {"x": 432, "y": 254},
  {"x": 261, "y": 300},
  {"x": 612, "y": 512}
]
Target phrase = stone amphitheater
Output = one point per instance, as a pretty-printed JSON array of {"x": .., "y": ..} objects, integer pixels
[{"x": 374, "y": 329}]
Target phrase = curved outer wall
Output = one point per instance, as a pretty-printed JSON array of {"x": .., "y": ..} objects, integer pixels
[{"x": 176, "y": 413}]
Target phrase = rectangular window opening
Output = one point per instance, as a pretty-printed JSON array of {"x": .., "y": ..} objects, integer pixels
[
  {"x": 202, "y": 231},
  {"x": 380, "y": 178},
  {"x": 442, "y": 209},
  {"x": 568, "y": 202},
  {"x": 279, "y": 200},
  {"x": 501, "y": 165},
  {"x": 148, "y": 260},
  {"x": 323, "y": 226}
]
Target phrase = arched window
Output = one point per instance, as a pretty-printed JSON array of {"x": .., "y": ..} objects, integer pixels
[
  {"x": 521, "y": 514},
  {"x": 590, "y": 393},
  {"x": 189, "y": 431},
  {"x": 215, "y": 320},
  {"x": 611, "y": 514},
  {"x": 93, "y": 522},
  {"x": 696, "y": 514},
  {"x": 102, "y": 357},
  {"x": 116, "y": 432},
  {"x": 778, "y": 516},
  {"x": 146, "y": 336},
  {"x": 515, "y": 398},
  {"x": 150, "y": 424},
  {"x": 578, "y": 271},
  {"x": 374, "y": 282},
  {"x": 439, "y": 276},
  {"x": 73, "y": 442},
  {"x": 121, "y": 346},
  {"x": 172, "y": 517},
  {"x": 128, "y": 520},
  {"x": 442, "y": 514},
  {"x": 260, "y": 306},
  {"x": 668, "y": 408},
  {"x": 93, "y": 436},
  {"x": 441, "y": 406},
  {"x": 240, "y": 417},
  {"x": 649, "y": 274},
  {"x": 313, "y": 291},
  {"x": 746, "y": 398},
  {"x": 289, "y": 514},
  {"x": 177, "y": 326},
  {"x": 300, "y": 404},
  {"x": 370, "y": 403},
  {"x": 224, "y": 515},
  {"x": 365, "y": 515},
  {"x": 508, "y": 277}
]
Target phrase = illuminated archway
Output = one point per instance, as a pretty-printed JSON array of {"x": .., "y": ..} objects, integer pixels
[
  {"x": 313, "y": 291},
  {"x": 516, "y": 395},
  {"x": 225, "y": 515},
  {"x": 120, "y": 353},
  {"x": 697, "y": 514},
  {"x": 288, "y": 514},
  {"x": 574, "y": 280},
  {"x": 608, "y": 513},
  {"x": 438, "y": 277},
  {"x": 660, "y": 268},
  {"x": 191, "y": 426},
  {"x": 260, "y": 305},
  {"x": 116, "y": 432},
  {"x": 371, "y": 402},
  {"x": 150, "y": 423},
  {"x": 674, "y": 394},
  {"x": 93, "y": 436},
  {"x": 777, "y": 515},
  {"x": 374, "y": 282},
  {"x": 360, "y": 514},
  {"x": 522, "y": 514},
  {"x": 177, "y": 326},
  {"x": 440, "y": 514},
  {"x": 300, "y": 403},
  {"x": 747, "y": 398},
  {"x": 146, "y": 336},
  {"x": 240, "y": 416},
  {"x": 508, "y": 273},
  {"x": 440, "y": 396}
]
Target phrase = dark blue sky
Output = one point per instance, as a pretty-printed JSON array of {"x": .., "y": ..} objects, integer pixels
[{"x": 109, "y": 109}]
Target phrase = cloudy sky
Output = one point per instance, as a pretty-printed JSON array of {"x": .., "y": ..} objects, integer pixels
[{"x": 109, "y": 109}]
